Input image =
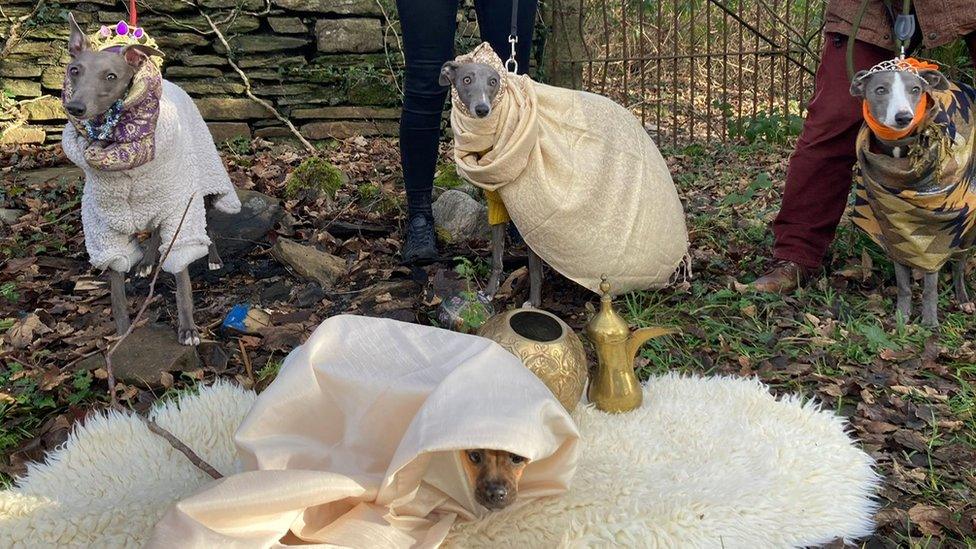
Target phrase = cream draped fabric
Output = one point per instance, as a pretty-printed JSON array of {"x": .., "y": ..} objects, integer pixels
[
  {"x": 579, "y": 176},
  {"x": 355, "y": 443}
]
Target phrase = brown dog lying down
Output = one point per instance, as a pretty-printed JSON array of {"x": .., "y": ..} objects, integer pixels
[{"x": 495, "y": 476}]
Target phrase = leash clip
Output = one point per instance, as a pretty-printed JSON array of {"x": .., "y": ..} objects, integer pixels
[{"x": 512, "y": 64}]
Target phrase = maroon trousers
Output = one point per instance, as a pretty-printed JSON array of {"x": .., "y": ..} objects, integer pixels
[{"x": 818, "y": 180}]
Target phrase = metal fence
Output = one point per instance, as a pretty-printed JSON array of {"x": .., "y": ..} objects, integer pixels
[{"x": 693, "y": 70}]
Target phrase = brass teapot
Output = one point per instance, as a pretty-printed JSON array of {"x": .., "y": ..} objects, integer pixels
[{"x": 614, "y": 388}]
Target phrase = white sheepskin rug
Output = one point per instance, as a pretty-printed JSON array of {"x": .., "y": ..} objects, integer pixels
[{"x": 706, "y": 462}]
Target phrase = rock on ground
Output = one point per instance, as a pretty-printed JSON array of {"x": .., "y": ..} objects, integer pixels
[
  {"x": 309, "y": 262},
  {"x": 146, "y": 354},
  {"x": 9, "y": 216},
  {"x": 460, "y": 217},
  {"x": 237, "y": 234}
]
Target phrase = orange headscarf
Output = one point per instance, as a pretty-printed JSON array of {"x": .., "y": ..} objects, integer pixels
[{"x": 891, "y": 134}]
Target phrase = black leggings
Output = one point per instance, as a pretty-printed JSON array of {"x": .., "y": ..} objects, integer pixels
[{"x": 428, "y": 28}]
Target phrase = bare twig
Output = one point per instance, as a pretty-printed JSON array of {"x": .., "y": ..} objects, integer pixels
[
  {"x": 721, "y": 5},
  {"x": 386, "y": 50},
  {"x": 247, "y": 362},
  {"x": 13, "y": 33},
  {"x": 15, "y": 115},
  {"x": 215, "y": 30},
  {"x": 183, "y": 448},
  {"x": 113, "y": 398}
]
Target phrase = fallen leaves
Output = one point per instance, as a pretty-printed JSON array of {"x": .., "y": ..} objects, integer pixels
[
  {"x": 25, "y": 331},
  {"x": 906, "y": 400}
]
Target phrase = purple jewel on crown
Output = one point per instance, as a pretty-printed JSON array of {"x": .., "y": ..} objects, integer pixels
[{"x": 122, "y": 29}]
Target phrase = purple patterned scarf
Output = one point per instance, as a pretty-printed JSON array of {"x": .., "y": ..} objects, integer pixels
[{"x": 132, "y": 141}]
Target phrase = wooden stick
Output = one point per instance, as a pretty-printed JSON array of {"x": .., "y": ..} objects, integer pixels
[
  {"x": 113, "y": 398},
  {"x": 247, "y": 362},
  {"x": 183, "y": 448}
]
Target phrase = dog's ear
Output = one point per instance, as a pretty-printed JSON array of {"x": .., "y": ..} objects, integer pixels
[
  {"x": 936, "y": 80},
  {"x": 857, "y": 84},
  {"x": 448, "y": 70},
  {"x": 77, "y": 41},
  {"x": 135, "y": 54}
]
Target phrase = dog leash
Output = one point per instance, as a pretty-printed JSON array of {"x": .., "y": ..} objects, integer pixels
[
  {"x": 903, "y": 26},
  {"x": 512, "y": 64}
]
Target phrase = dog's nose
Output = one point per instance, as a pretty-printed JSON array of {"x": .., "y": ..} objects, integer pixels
[
  {"x": 481, "y": 110},
  {"x": 75, "y": 109},
  {"x": 904, "y": 118},
  {"x": 496, "y": 492}
]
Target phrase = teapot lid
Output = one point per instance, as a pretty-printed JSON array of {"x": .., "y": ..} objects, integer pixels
[{"x": 607, "y": 324}]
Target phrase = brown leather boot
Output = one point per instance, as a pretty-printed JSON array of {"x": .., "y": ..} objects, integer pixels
[{"x": 784, "y": 277}]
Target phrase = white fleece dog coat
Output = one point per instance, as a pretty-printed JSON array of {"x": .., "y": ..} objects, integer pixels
[{"x": 183, "y": 164}]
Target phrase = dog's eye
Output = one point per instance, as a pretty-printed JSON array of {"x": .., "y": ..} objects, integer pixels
[
  {"x": 110, "y": 76},
  {"x": 516, "y": 458},
  {"x": 880, "y": 90},
  {"x": 493, "y": 81},
  {"x": 467, "y": 80},
  {"x": 73, "y": 71},
  {"x": 475, "y": 457}
]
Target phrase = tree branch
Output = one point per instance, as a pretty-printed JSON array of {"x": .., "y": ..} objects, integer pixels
[
  {"x": 15, "y": 116},
  {"x": 386, "y": 50},
  {"x": 113, "y": 396},
  {"x": 183, "y": 448},
  {"x": 13, "y": 34},
  {"x": 247, "y": 81}
]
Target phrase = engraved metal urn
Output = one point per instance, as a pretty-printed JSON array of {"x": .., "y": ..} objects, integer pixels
[{"x": 547, "y": 346}]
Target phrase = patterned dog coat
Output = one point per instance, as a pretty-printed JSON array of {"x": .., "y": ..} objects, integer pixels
[{"x": 922, "y": 208}]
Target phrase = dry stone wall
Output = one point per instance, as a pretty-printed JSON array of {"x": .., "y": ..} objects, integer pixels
[{"x": 333, "y": 67}]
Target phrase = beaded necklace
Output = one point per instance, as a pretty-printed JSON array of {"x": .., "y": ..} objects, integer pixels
[{"x": 103, "y": 131}]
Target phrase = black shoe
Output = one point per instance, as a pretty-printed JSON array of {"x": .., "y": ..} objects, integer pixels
[{"x": 421, "y": 244}]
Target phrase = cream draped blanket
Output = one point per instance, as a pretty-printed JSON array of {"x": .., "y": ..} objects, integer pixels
[
  {"x": 355, "y": 443},
  {"x": 578, "y": 174}
]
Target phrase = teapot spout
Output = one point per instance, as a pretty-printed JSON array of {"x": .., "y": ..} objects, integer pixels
[{"x": 642, "y": 336}]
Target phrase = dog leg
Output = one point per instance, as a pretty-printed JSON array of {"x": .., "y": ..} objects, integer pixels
[
  {"x": 959, "y": 283},
  {"x": 214, "y": 263},
  {"x": 150, "y": 255},
  {"x": 535, "y": 279},
  {"x": 120, "y": 306},
  {"x": 497, "y": 249},
  {"x": 187, "y": 331},
  {"x": 903, "y": 277},
  {"x": 930, "y": 300}
]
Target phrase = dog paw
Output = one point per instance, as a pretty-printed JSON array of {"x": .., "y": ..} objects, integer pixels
[
  {"x": 930, "y": 321},
  {"x": 969, "y": 307},
  {"x": 215, "y": 266},
  {"x": 189, "y": 337}
]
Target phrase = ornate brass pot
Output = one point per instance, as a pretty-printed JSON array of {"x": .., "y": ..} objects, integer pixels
[{"x": 547, "y": 346}]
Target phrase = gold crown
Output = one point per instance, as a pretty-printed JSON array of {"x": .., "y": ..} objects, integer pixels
[{"x": 122, "y": 34}]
